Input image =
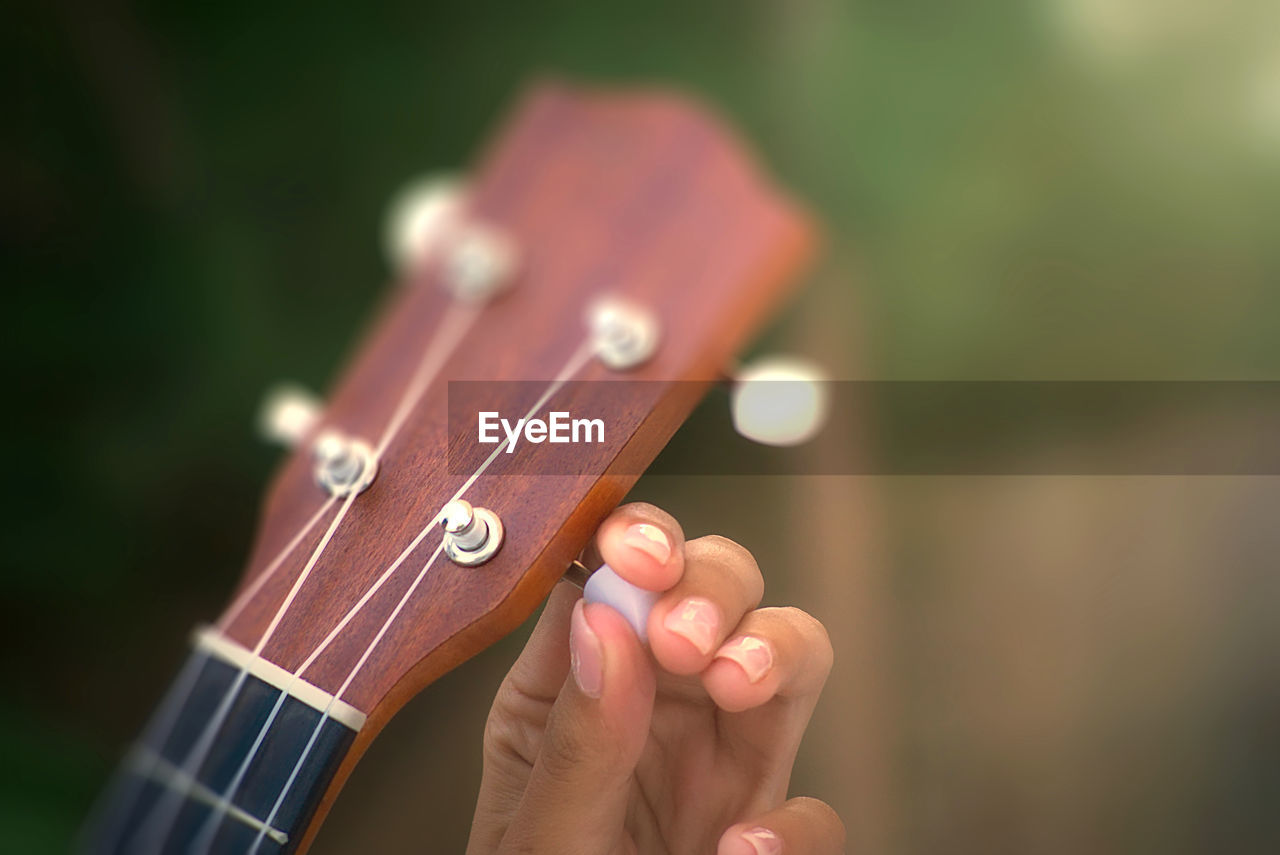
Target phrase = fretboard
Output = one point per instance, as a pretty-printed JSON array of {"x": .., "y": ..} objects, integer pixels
[{"x": 230, "y": 763}]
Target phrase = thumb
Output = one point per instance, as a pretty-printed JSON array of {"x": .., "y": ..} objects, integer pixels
[{"x": 577, "y": 794}]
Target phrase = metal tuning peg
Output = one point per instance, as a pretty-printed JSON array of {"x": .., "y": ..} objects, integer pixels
[
  {"x": 471, "y": 535},
  {"x": 779, "y": 400},
  {"x": 343, "y": 464},
  {"x": 288, "y": 414},
  {"x": 419, "y": 218}
]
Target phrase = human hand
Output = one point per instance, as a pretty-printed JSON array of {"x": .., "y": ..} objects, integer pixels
[{"x": 596, "y": 747}]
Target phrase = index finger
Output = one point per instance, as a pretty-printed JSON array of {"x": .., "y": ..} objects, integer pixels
[{"x": 644, "y": 545}]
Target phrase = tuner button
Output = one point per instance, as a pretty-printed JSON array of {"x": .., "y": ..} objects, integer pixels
[
  {"x": 779, "y": 400},
  {"x": 419, "y": 217},
  {"x": 630, "y": 601},
  {"x": 288, "y": 414}
]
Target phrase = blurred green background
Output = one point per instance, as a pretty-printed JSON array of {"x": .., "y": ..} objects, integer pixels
[{"x": 1075, "y": 189}]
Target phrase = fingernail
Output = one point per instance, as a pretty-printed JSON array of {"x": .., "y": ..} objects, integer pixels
[
  {"x": 697, "y": 620},
  {"x": 753, "y": 654},
  {"x": 650, "y": 540},
  {"x": 585, "y": 654},
  {"x": 764, "y": 841}
]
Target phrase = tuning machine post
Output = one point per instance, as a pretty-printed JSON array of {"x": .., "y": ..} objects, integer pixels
[
  {"x": 343, "y": 464},
  {"x": 471, "y": 535},
  {"x": 428, "y": 220},
  {"x": 625, "y": 335}
]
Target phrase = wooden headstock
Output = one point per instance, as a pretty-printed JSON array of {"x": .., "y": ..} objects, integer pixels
[{"x": 639, "y": 196}]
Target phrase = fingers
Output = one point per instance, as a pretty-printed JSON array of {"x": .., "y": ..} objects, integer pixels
[
  {"x": 704, "y": 623},
  {"x": 577, "y": 793},
  {"x": 644, "y": 545},
  {"x": 800, "y": 827},
  {"x": 721, "y": 582},
  {"x": 773, "y": 652}
]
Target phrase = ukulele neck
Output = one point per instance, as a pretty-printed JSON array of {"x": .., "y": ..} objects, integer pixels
[{"x": 172, "y": 792}]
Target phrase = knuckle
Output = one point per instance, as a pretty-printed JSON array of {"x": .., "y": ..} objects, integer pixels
[
  {"x": 499, "y": 739},
  {"x": 569, "y": 752},
  {"x": 563, "y": 759},
  {"x": 513, "y": 726},
  {"x": 515, "y": 702},
  {"x": 733, "y": 558},
  {"x": 503, "y": 742}
]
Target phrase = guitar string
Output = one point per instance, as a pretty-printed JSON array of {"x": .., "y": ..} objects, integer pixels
[
  {"x": 449, "y": 334},
  {"x": 213, "y": 821},
  {"x": 229, "y": 616},
  {"x": 456, "y": 322},
  {"x": 166, "y": 773},
  {"x": 324, "y": 717},
  {"x": 430, "y": 365},
  {"x": 205, "y": 837},
  {"x": 575, "y": 364},
  {"x": 160, "y": 728}
]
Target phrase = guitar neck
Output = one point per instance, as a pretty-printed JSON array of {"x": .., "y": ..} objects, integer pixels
[{"x": 251, "y": 782}]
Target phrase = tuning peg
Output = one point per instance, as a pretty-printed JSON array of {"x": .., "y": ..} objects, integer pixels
[
  {"x": 418, "y": 218},
  {"x": 779, "y": 400},
  {"x": 288, "y": 414}
]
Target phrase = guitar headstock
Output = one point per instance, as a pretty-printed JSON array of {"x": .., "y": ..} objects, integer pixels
[{"x": 637, "y": 200}]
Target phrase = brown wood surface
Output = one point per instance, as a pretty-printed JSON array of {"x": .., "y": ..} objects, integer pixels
[{"x": 639, "y": 195}]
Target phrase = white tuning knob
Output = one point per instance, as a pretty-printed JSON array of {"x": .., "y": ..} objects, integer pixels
[
  {"x": 633, "y": 603},
  {"x": 779, "y": 400},
  {"x": 288, "y": 414},
  {"x": 418, "y": 218}
]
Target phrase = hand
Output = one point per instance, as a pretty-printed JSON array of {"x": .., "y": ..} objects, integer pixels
[{"x": 596, "y": 747}]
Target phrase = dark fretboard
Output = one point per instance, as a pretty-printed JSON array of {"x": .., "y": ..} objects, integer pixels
[{"x": 247, "y": 780}]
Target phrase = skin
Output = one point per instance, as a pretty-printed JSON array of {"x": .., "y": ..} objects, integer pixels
[{"x": 596, "y": 745}]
